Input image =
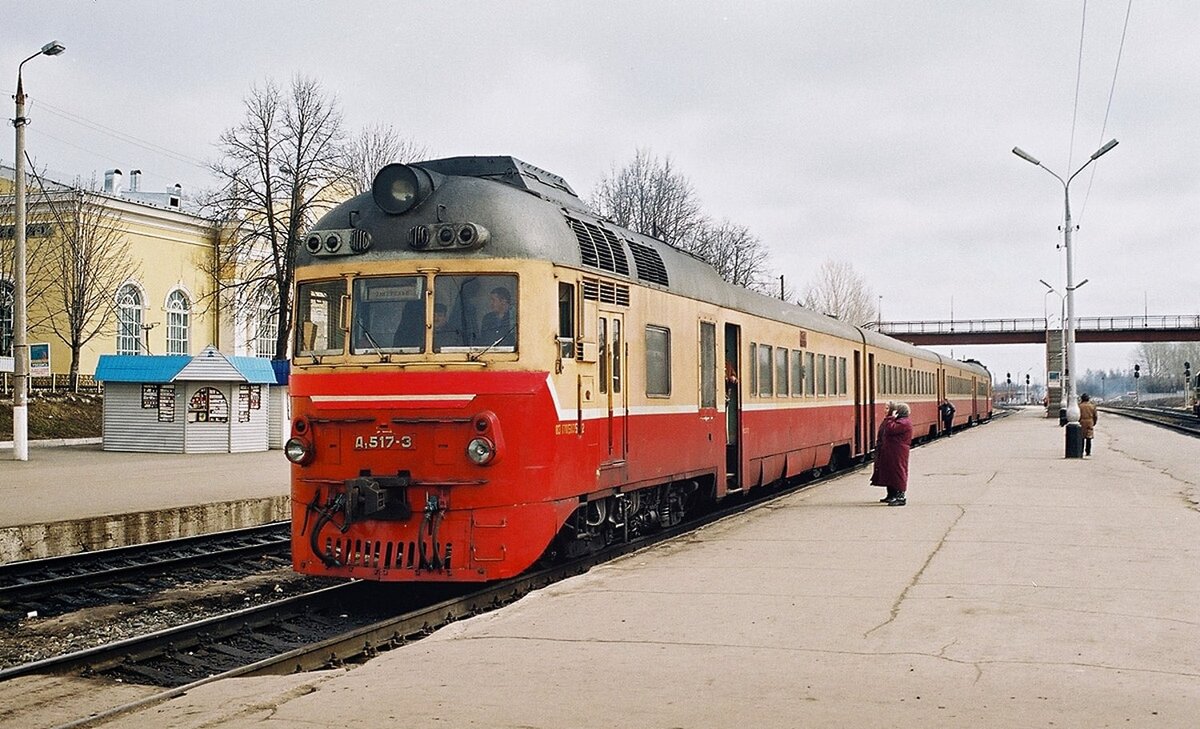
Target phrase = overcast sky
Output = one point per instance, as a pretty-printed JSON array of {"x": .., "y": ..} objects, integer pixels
[{"x": 873, "y": 132}]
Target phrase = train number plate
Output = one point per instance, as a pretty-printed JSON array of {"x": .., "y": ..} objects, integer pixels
[{"x": 385, "y": 441}]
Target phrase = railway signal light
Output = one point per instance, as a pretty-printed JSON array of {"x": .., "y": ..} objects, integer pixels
[
  {"x": 1026, "y": 379},
  {"x": 1137, "y": 371},
  {"x": 1008, "y": 377}
]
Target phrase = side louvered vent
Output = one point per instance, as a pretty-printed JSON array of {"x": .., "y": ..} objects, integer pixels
[
  {"x": 649, "y": 264},
  {"x": 599, "y": 248},
  {"x": 605, "y": 292}
]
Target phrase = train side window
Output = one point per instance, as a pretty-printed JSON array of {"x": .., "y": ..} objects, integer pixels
[
  {"x": 841, "y": 375},
  {"x": 566, "y": 320},
  {"x": 708, "y": 364},
  {"x": 810, "y": 374},
  {"x": 764, "y": 370},
  {"x": 658, "y": 361},
  {"x": 821, "y": 375},
  {"x": 753, "y": 369},
  {"x": 781, "y": 371},
  {"x": 318, "y": 316},
  {"x": 833, "y": 375},
  {"x": 797, "y": 373}
]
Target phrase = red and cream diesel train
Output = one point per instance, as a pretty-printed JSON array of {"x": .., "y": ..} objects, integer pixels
[{"x": 484, "y": 372}]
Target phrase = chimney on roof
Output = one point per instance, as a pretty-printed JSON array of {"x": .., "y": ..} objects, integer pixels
[
  {"x": 112, "y": 182},
  {"x": 176, "y": 196},
  {"x": 135, "y": 180}
]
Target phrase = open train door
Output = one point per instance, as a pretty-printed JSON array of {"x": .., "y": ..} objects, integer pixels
[{"x": 733, "y": 406}]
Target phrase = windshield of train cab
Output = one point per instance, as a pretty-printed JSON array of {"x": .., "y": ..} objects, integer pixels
[{"x": 470, "y": 313}]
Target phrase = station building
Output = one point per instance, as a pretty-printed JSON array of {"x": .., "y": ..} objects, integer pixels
[{"x": 162, "y": 301}]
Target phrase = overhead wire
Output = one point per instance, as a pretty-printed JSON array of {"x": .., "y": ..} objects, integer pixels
[
  {"x": 1108, "y": 107},
  {"x": 1078, "y": 76},
  {"x": 122, "y": 137}
]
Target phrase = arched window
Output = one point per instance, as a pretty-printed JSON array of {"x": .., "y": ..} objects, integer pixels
[
  {"x": 129, "y": 320},
  {"x": 6, "y": 319},
  {"x": 266, "y": 324},
  {"x": 208, "y": 405},
  {"x": 179, "y": 318}
]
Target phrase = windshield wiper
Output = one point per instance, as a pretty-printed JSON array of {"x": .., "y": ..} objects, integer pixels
[
  {"x": 474, "y": 356},
  {"x": 371, "y": 340}
]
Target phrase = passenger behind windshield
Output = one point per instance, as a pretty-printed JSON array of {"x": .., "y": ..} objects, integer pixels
[
  {"x": 444, "y": 333},
  {"x": 499, "y": 326},
  {"x": 480, "y": 311}
]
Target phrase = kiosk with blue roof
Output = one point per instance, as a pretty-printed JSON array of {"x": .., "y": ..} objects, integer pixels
[{"x": 209, "y": 403}]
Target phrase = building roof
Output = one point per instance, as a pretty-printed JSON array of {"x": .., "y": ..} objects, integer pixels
[{"x": 208, "y": 366}]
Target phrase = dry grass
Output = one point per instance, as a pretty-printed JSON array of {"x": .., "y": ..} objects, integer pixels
[{"x": 60, "y": 415}]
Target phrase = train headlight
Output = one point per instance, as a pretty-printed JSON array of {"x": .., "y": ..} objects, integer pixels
[
  {"x": 399, "y": 188},
  {"x": 481, "y": 451},
  {"x": 298, "y": 451}
]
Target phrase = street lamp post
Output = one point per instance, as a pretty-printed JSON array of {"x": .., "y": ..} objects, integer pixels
[
  {"x": 1074, "y": 444},
  {"x": 20, "y": 335}
]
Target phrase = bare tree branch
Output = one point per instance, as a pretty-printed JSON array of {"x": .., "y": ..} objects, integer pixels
[
  {"x": 280, "y": 167},
  {"x": 839, "y": 291},
  {"x": 374, "y": 147},
  {"x": 737, "y": 254},
  {"x": 78, "y": 269},
  {"x": 650, "y": 197}
]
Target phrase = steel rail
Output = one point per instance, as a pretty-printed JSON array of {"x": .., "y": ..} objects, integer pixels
[
  {"x": 30, "y": 579},
  {"x": 1178, "y": 420}
]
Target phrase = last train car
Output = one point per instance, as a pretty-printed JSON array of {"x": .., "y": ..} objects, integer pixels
[{"x": 485, "y": 374}]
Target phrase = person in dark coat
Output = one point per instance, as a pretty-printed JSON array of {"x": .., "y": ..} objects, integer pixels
[
  {"x": 946, "y": 410},
  {"x": 1087, "y": 420},
  {"x": 891, "y": 454}
]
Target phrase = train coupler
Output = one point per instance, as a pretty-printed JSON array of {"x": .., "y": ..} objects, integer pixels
[{"x": 369, "y": 495}]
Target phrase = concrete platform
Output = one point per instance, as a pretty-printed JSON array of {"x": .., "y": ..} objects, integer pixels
[
  {"x": 1015, "y": 589},
  {"x": 71, "y": 499}
]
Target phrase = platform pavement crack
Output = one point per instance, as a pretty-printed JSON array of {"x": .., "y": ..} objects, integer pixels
[{"x": 895, "y": 610}]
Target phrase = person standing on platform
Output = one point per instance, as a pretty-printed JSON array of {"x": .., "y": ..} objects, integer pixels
[
  {"x": 946, "y": 410},
  {"x": 891, "y": 454},
  {"x": 1088, "y": 416}
]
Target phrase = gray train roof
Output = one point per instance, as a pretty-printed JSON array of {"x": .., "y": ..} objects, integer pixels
[{"x": 534, "y": 214}]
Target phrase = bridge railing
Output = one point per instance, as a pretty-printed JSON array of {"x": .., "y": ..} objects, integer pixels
[{"x": 1028, "y": 324}]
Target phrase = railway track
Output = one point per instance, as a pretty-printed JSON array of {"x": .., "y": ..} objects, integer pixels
[
  {"x": 58, "y": 585},
  {"x": 1180, "y": 421},
  {"x": 330, "y": 626}
]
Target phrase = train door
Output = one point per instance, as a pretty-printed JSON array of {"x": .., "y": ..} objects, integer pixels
[
  {"x": 610, "y": 334},
  {"x": 975, "y": 398},
  {"x": 733, "y": 406},
  {"x": 871, "y": 384},
  {"x": 858, "y": 403}
]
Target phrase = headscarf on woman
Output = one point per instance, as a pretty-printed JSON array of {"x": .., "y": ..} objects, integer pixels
[{"x": 891, "y": 453}]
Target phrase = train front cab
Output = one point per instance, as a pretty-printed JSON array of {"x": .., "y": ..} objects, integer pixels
[{"x": 426, "y": 445}]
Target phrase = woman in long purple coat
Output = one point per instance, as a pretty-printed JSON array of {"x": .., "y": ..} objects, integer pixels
[{"x": 891, "y": 454}]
